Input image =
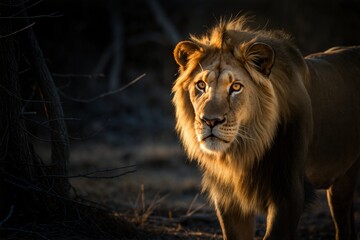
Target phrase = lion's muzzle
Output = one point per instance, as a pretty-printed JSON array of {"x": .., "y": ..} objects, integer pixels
[
  {"x": 212, "y": 122},
  {"x": 211, "y": 135}
]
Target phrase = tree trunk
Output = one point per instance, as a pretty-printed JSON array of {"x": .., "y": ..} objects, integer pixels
[
  {"x": 55, "y": 115},
  {"x": 23, "y": 178},
  {"x": 34, "y": 198},
  {"x": 15, "y": 153}
]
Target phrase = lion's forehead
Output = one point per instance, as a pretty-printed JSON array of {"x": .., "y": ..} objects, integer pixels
[{"x": 222, "y": 70}]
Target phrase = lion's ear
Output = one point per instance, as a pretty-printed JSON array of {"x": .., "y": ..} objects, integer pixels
[
  {"x": 182, "y": 52},
  {"x": 261, "y": 56}
]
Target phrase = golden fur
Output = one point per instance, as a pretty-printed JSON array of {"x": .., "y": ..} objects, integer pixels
[{"x": 255, "y": 144}]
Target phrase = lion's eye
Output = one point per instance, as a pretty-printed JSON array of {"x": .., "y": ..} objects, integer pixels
[
  {"x": 236, "y": 87},
  {"x": 201, "y": 85}
]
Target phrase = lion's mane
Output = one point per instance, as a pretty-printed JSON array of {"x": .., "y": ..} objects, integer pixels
[{"x": 229, "y": 176}]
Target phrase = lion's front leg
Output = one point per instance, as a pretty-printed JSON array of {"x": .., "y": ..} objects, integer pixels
[
  {"x": 282, "y": 219},
  {"x": 235, "y": 225}
]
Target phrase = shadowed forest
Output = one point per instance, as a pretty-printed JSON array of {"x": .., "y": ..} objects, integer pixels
[{"x": 126, "y": 176}]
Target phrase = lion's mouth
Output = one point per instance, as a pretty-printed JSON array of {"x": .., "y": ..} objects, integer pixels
[{"x": 212, "y": 136}]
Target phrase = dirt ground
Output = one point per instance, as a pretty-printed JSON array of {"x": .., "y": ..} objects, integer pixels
[{"x": 161, "y": 193}]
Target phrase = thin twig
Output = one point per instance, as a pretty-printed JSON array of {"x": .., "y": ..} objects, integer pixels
[
  {"x": 8, "y": 216},
  {"x": 13, "y": 4},
  {"x": 27, "y": 7},
  {"x": 142, "y": 212},
  {"x": 142, "y": 194},
  {"x": 20, "y": 98},
  {"x": 191, "y": 204},
  {"x": 17, "y": 31},
  {"x": 64, "y": 118},
  {"x": 98, "y": 177},
  {"x": 192, "y": 211},
  {"x": 51, "y": 15},
  {"x": 27, "y": 232},
  {"x": 104, "y": 94},
  {"x": 26, "y": 185},
  {"x": 88, "y": 175},
  {"x": 44, "y": 125},
  {"x": 72, "y": 75},
  {"x": 28, "y": 113}
]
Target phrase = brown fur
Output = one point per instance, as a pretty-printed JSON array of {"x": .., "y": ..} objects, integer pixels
[{"x": 266, "y": 137}]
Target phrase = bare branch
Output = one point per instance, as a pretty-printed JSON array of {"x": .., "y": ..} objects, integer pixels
[
  {"x": 51, "y": 15},
  {"x": 65, "y": 119},
  {"x": 27, "y": 7},
  {"x": 44, "y": 125},
  {"x": 17, "y": 31},
  {"x": 13, "y": 4},
  {"x": 72, "y": 75},
  {"x": 8, "y": 216},
  {"x": 103, "y": 94},
  {"x": 28, "y": 113},
  {"x": 20, "y": 230},
  {"x": 26, "y": 185},
  {"x": 89, "y": 175},
  {"x": 20, "y": 98}
]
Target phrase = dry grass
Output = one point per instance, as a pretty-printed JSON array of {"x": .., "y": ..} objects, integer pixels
[
  {"x": 158, "y": 223},
  {"x": 143, "y": 210}
]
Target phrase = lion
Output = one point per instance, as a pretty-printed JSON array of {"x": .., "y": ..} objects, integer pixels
[{"x": 268, "y": 126}]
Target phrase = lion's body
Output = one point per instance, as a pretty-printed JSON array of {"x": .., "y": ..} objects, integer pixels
[
  {"x": 261, "y": 120},
  {"x": 334, "y": 89}
]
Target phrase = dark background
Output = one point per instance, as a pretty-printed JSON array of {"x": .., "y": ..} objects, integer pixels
[
  {"x": 75, "y": 42},
  {"x": 136, "y": 126}
]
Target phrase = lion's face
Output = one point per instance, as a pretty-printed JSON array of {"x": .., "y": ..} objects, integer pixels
[
  {"x": 220, "y": 93},
  {"x": 224, "y": 98}
]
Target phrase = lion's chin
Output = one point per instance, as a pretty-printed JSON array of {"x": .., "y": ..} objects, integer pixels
[{"x": 214, "y": 145}]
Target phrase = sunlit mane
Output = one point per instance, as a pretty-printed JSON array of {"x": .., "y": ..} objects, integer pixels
[{"x": 254, "y": 138}]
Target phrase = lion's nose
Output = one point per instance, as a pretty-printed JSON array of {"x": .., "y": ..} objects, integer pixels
[{"x": 212, "y": 122}]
